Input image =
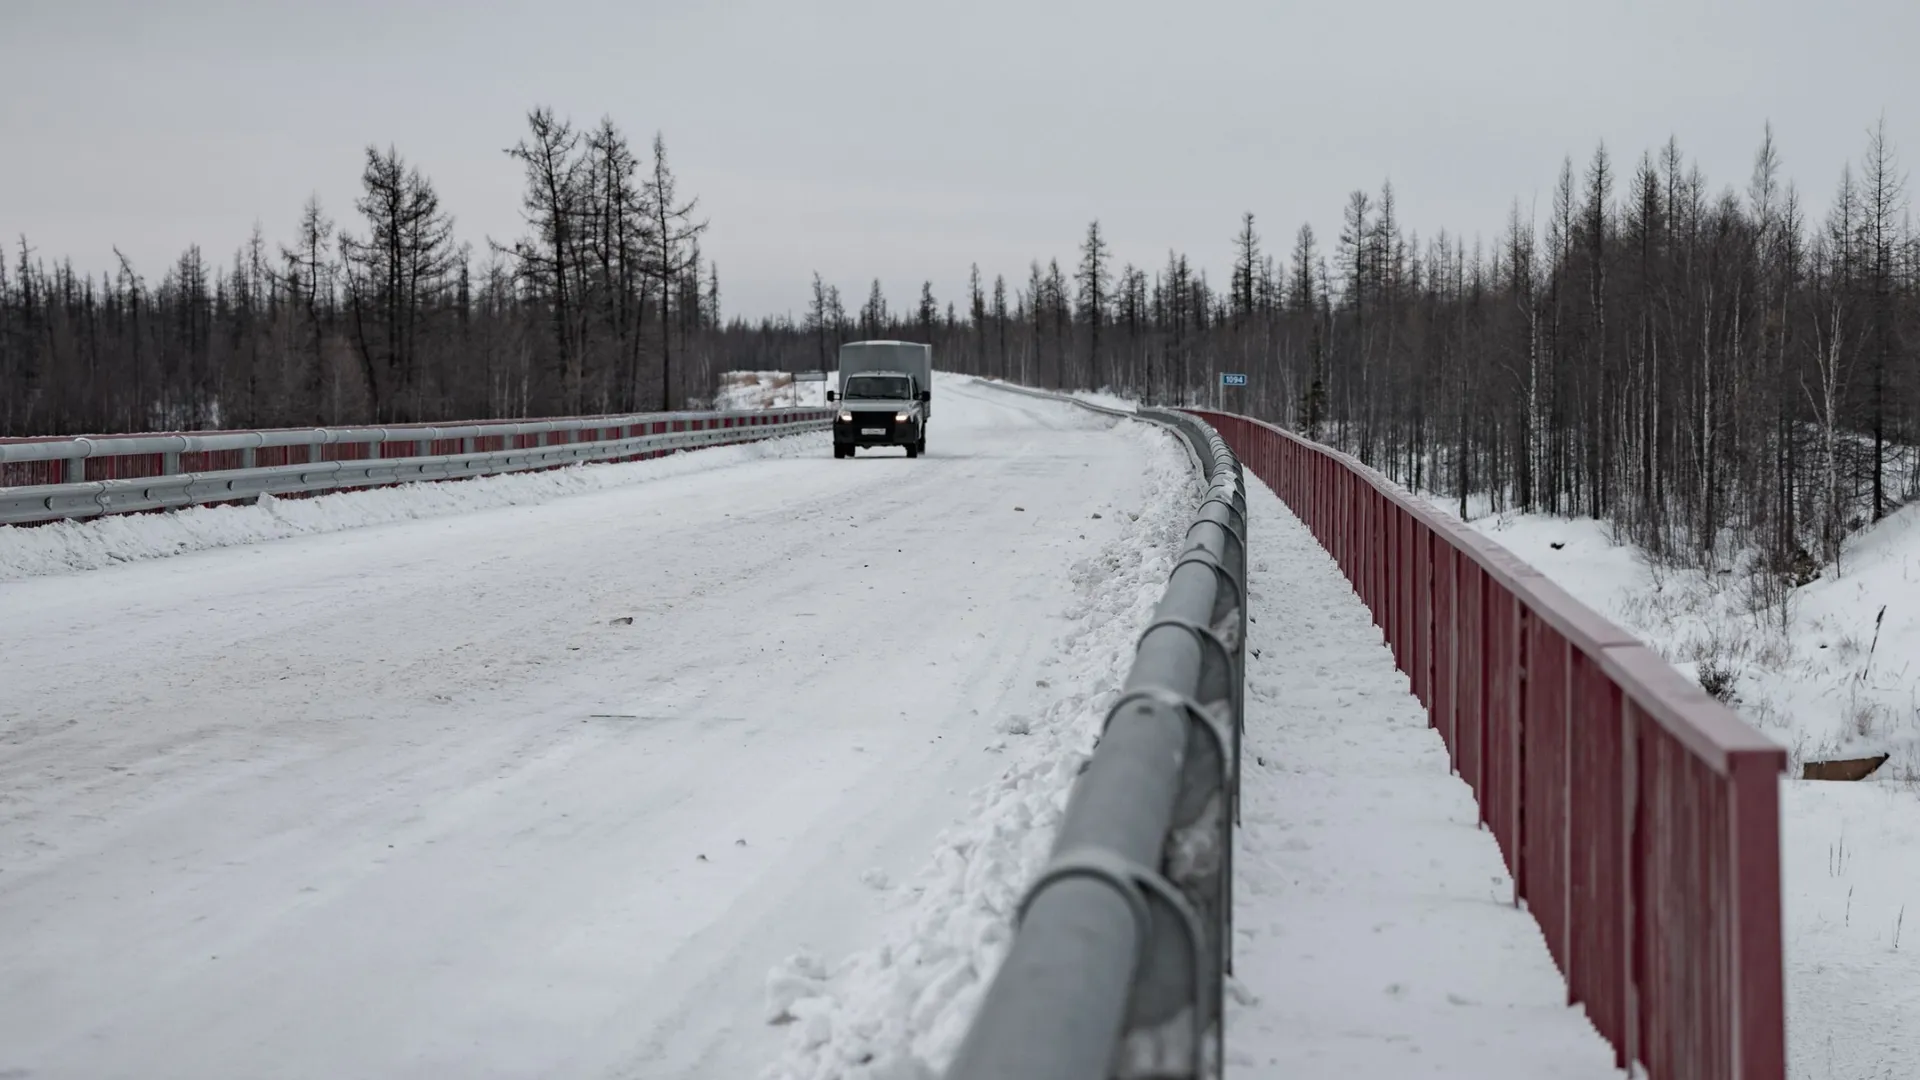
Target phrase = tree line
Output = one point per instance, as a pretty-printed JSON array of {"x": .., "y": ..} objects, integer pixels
[
  {"x": 1711, "y": 369},
  {"x": 605, "y": 304},
  {"x": 1706, "y": 368}
]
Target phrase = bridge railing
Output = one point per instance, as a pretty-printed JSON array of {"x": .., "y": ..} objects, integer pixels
[
  {"x": 1639, "y": 817},
  {"x": 1118, "y": 958},
  {"x": 47, "y": 479}
]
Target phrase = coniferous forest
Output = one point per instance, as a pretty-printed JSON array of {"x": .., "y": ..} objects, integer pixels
[{"x": 1712, "y": 366}]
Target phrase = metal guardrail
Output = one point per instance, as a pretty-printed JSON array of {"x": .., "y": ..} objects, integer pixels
[
  {"x": 344, "y": 458},
  {"x": 1118, "y": 962}
]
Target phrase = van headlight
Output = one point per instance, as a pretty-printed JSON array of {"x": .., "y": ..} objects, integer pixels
[
  {"x": 846, "y": 416},
  {"x": 901, "y": 418}
]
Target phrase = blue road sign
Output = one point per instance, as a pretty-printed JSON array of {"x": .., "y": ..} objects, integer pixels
[{"x": 1232, "y": 380}]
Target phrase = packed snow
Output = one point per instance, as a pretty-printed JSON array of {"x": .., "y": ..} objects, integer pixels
[
  {"x": 548, "y": 787},
  {"x": 1375, "y": 931},
  {"x": 1821, "y": 685}
]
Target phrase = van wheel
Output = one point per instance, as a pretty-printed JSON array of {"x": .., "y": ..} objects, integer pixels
[{"x": 913, "y": 449}]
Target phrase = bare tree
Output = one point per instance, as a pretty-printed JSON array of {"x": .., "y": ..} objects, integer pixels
[
  {"x": 395, "y": 274},
  {"x": 672, "y": 248}
]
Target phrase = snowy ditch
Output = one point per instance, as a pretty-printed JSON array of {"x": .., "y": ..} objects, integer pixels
[
  {"x": 898, "y": 1010},
  {"x": 68, "y": 546}
]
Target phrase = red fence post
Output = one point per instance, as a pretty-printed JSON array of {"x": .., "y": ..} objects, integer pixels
[{"x": 1759, "y": 1028}]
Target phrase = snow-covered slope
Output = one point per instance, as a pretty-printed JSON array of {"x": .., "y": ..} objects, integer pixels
[
  {"x": 1821, "y": 686},
  {"x": 414, "y": 800},
  {"x": 1819, "y": 683}
]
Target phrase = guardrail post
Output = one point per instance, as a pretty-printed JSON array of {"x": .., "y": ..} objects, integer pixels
[
  {"x": 1627, "y": 1050},
  {"x": 1759, "y": 1024}
]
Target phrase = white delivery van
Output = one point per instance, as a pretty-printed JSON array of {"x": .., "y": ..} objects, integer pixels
[{"x": 885, "y": 396}]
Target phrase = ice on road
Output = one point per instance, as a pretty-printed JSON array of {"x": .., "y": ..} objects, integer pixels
[{"x": 413, "y": 800}]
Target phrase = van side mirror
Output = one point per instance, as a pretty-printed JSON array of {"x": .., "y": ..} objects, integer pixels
[
  {"x": 831, "y": 396},
  {"x": 926, "y": 395}
]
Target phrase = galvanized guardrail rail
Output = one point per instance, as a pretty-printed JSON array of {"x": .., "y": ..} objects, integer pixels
[
  {"x": 1118, "y": 963},
  {"x": 56, "y": 478}
]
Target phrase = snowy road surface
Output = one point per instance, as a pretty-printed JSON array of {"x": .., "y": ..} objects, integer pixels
[
  {"x": 1376, "y": 931},
  {"x": 403, "y": 801}
]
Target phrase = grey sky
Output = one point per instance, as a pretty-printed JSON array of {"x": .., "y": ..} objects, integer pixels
[{"x": 905, "y": 141}]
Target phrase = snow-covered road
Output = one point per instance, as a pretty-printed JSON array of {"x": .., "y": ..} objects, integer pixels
[{"x": 410, "y": 801}]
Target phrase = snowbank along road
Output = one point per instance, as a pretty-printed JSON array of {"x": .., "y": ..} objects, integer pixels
[{"x": 415, "y": 800}]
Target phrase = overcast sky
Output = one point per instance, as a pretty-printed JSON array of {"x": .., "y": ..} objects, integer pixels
[{"x": 904, "y": 141}]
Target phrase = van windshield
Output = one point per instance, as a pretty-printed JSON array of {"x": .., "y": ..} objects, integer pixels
[{"x": 884, "y": 387}]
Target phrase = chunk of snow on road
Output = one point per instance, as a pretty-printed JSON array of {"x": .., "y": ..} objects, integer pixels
[
  {"x": 898, "y": 1010},
  {"x": 67, "y": 546},
  {"x": 800, "y": 977}
]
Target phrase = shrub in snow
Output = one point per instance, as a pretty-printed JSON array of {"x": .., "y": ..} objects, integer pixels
[{"x": 1717, "y": 679}]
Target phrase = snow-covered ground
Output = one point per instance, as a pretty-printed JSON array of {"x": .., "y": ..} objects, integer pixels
[
  {"x": 414, "y": 799},
  {"x": 1375, "y": 930},
  {"x": 1820, "y": 684},
  {"x": 741, "y": 390},
  {"x": 1106, "y": 399},
  {"x": 897, "y": 1009},
  {"x": 1822, "y": 687}
]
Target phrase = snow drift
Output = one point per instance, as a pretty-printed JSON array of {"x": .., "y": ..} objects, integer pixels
[{"x": 898, "y": 1010}]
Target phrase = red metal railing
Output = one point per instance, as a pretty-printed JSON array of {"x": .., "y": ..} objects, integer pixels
[{"x": 1639, "y": 817}]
